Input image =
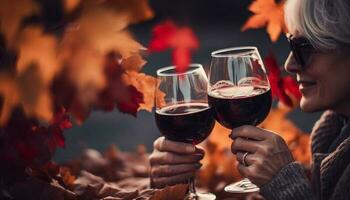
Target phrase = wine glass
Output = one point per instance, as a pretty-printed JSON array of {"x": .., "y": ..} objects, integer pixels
[
  {"x": 239, "y": 92},
  {"x": 182, "y": 111}
]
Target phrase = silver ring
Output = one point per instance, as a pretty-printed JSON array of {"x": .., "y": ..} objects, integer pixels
[{"x": 243, "y": 158}]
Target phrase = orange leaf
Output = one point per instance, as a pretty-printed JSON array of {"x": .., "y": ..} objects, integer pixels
[
  {"x": 36, "y": 67},
  {"x": 267, "y": 13},
  {"x": 67, "y": 176},
  {"x": 84, "y": 48},
  {"x": 146, "y": 85},
  {"x": 27, "y": 90},
  {"x": 40, "y": 49},
  {"x": 133, "y": 63},
  {"x": 70, "y": 5},
  {"x": 138, "y": 10},
  {"x": 12, "y": 14}
]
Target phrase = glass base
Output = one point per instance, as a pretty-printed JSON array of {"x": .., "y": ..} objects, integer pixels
[
  {"x": 200, "y": 196},
  {"x": 243, "y": 186}
]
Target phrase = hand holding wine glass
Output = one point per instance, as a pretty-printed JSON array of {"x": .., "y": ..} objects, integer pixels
[
  {"x": 182, "y": 116},
  {"x": 268, "y": 153},
  {"x": 239, "y": 93}
]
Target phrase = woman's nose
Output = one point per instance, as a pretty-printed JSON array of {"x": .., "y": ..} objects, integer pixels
[{"x": 291, "y": 64}]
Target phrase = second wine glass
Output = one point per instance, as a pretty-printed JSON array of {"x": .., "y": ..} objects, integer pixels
[{"x": 239, "y": 92}]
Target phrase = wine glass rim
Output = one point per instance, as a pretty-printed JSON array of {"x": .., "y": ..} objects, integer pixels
[
  {"x": 191, "y": 68},
  {"x": 218, "y": 53}
]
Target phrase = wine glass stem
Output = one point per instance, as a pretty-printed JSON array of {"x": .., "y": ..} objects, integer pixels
[{"x": 192, "y": 187}]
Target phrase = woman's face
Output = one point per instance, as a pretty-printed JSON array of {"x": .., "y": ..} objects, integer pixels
[{"x": 325, "y": 82}]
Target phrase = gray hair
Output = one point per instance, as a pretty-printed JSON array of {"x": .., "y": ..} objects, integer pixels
[{"x": 326, "y": 23}]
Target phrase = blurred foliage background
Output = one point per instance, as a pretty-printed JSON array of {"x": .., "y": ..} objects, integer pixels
[{"x": 217, "y": 25}]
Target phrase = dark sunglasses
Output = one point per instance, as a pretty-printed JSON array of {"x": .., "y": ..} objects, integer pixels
[{"x": 301, "y": 48}]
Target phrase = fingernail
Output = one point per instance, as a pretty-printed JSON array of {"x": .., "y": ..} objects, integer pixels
[
  {"x": 199, "y": 156},
  {"x": 198, "y": 165},
  {"x": 190, "y": 149}
]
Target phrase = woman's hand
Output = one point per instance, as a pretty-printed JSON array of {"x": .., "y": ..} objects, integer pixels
[
  {"x": 173, "y": 162},
  {"x": 267, "y": 153}
]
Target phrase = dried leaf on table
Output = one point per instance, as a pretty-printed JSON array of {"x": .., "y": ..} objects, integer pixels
[
  {"x": 67, "y": 177},
  {"x": 177, "y": 192},
  {"x": 90, "y": 186},
  {"x": 267, "y": 13}
]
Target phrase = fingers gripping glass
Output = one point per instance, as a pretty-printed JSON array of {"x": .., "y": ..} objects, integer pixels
[
  {"x": 239, "y": 92},
  {"x": 301, "y": 48},
  {"x": 182, "y": 111}
]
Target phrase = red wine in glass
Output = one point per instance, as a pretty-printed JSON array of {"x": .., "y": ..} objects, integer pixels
[
  {"x": 187, "y": 122},
  {"x": 235, "y": 106}
]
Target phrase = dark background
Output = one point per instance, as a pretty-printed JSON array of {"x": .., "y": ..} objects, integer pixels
[{"x": 217, "y": 25}]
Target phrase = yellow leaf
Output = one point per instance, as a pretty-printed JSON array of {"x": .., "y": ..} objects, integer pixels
[{"x": 267, "y": 13}]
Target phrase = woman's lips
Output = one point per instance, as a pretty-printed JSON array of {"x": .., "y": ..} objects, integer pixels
[{"x": 305, "y": 86}]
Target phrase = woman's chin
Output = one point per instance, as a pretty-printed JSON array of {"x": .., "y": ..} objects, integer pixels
[{"x": 310, "y": 105}]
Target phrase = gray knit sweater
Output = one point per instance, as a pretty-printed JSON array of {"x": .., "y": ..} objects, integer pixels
[{"x": 330, "y": 166}]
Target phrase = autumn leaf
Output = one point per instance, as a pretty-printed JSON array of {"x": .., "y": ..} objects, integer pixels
[
  {"x": 283, "y": 88},
  {"x": 12, "y": 15},
  {"x": 67, "y": 176},
  {"x": 99, "y": 32},
  {"x": 146, "y": 85},
  {"x": 28, "y": 91},
  {"x": 176, "y": 192},
  {"x": 36, "y": 67},
  {"x": 35, "y": 47},
  {"x": 70, "y": 5},
  {"x": 131, "y": 102},
  {"x": 134, "y": 62},
  {"x": 267, "y": 13},
  {"x": 181, "y": 39},
  {"x": 137, "y": 10}
]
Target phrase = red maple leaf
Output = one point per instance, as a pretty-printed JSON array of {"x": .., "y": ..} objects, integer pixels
[
  {"x": 118, "y": 93},
  {"x": 283, "y": 88},
  {"x": 132, "y": 102},
  {"x": 181, "y": 40},
  {"x": 59, "y": 122}
]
